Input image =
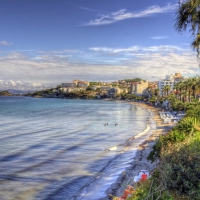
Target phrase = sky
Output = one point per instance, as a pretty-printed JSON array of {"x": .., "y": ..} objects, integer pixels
[{"x": 46, "y": 42}]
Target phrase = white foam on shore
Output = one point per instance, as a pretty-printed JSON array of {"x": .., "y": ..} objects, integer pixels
[
  {"x": 143, "y": 132},
  {"x": 113, "y": 148}
]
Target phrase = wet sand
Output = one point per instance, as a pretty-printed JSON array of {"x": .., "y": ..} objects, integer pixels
[{"x": 140, "y": 161}]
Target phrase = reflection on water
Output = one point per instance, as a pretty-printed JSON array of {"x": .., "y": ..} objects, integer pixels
[{"x": 55, "y": 148}]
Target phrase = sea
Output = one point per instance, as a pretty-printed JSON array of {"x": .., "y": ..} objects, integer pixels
[{"x": 66, "y": 149}]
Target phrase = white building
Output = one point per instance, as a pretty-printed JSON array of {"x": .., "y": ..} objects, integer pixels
[{"x": 170, "y": 80}]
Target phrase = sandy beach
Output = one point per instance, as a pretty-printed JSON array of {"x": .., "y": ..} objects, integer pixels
[{"x": 140, "y": 161}]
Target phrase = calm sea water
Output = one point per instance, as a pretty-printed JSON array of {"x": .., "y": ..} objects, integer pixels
[{"x": 58, "y": 149}]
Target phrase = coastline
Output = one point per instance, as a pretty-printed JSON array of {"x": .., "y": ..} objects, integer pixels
[
  {"x": 140, "y": 161},
  {"x": 136, "y": 162}
]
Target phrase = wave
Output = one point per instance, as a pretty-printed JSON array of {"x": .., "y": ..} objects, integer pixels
[
  {"x": 112, "y": 148},
  {"x": 124, "y": 145},
  {"x": 145, "y": 131}
]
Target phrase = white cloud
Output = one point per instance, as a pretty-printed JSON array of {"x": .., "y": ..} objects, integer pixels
[
  {"x": 22, "y": 72},
  {"x": 123, "y": 14},
  {"x": 159, "y": 37},
  {"x": 4, "y": 43},
  {"x": 116, "y": 50},
  {"x": 19, "y": 85},
  {"x": 134, "y": 49}
]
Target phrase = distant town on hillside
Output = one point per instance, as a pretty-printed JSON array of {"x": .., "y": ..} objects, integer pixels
[{"x": 135, "y": 88}]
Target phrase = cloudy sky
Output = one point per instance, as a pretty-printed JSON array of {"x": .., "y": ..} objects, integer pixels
[{"x": 47, "y": 42}]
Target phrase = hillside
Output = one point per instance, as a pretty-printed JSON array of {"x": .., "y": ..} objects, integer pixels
[{"x": 5, "y": 93}]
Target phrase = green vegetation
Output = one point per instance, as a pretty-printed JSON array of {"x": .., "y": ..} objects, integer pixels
[
  {"x": 188, "y": 16},
  {"x": 95, "y": 83},
  {"x": 187, "y": 127},
  {"x": 89, "y": 88},
  {"x": 133, "y": 80},
  {"x": 177, "y": 175},
  {"x": 5, "y": 93},
  {"x": 151, "y": 189}
]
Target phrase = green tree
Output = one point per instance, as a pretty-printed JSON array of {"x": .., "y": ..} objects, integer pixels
[
  {"x": 166, "y": 89},
  {"x": 188, "y": 15},
  {"x": 89, "y": 88}
]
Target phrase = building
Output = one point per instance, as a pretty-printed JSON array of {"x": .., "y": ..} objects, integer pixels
[
  {"x": 106, "y": 87},
  {"x": 94, "y": 87},
  {"x": 76, "y": 83},
  {"x": 71, "y": 85},
  {"x": 72, "y": 89},
  {"x": 121, "y": 81},
  {"x": 83, "y": 84},
  {"x": 139, "y": 88},
  {"x": 153, "y": 85},
  {"x": 113, "y": 92},
  {"x": 170, "y": 80}
]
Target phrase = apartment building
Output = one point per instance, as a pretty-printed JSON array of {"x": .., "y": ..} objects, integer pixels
[
  {"x": 170, "y": 80},
  {"x": 139, "y": 88}
]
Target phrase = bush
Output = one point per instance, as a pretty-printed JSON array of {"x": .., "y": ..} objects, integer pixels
[
  {"x": 151, "y": 189},
  {"x": 178, "y": 134},
  {"x": 180, "y": 168}
]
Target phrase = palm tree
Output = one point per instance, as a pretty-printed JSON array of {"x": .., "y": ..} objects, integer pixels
[
  {"x": 156, "y": 92},
  {"x": 197, "y": 87},
  {"x": 194, "y": 86},
  {"x": 166, "y": 89},
  {"x": 181, "y": 87},
  {"x": 189, "y": 15},
  {"x": 188, "y": 88}
]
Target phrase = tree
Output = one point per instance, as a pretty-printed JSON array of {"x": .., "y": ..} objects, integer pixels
[
  {"x": 166, "y": 89},
  {"x": 156, "y": 92},
  {"x": 58, "y": 87},
  {"x": 89, "y": 88},
  {"x": 189, "y": 15}
]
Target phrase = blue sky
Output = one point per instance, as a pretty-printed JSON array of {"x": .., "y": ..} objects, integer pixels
[{"x": 46, "y": 42}]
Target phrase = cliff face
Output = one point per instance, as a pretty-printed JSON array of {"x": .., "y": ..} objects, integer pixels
[{"x": 5, "y": 93}]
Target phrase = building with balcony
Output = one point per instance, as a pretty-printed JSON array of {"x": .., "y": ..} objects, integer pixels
[{"x": 170, "y": 80}]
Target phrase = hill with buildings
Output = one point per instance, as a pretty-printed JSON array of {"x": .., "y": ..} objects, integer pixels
[
  {"x": 5, "y": 93},
  {"x": 134, "y": 88}
]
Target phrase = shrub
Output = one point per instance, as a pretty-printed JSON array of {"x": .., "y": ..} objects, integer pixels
[
  {"x": 178, "y": 134},
  {"x": 179, "y": 168}
]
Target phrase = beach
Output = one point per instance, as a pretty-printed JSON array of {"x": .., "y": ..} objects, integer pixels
[{"x": 140, "y": 161}]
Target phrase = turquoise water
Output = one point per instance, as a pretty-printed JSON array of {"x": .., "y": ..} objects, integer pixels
[{"x": 60, "y": 149}]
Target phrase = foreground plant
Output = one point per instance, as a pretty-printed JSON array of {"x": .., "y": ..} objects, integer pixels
[
  {"x": 187, "y": 127},
  {"x": 179, "y": 168},
  {"x": 188, "y": 15}
]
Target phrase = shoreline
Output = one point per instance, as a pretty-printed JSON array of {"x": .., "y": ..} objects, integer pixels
[{"x": 140, "y": 161}]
